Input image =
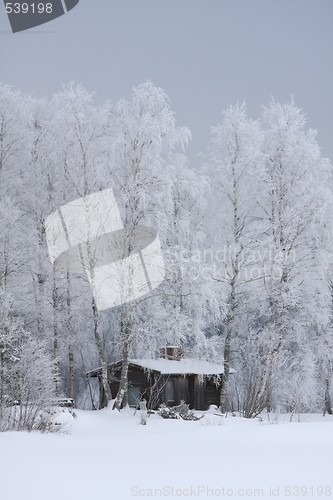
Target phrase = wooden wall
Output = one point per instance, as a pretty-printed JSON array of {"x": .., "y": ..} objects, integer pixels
[{"x": 197, "y": 393}]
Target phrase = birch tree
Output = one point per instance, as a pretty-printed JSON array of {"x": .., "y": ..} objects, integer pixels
[
  {"x": 145, "y": 137},
  {"x": 12, "y": 113},
  {"x": 80, "y": 128},
  {"x": 295, "y": 202},
  {"x": 235, "y": 155}
]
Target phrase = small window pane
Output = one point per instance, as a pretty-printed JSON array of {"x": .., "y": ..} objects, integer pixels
[
  {"x": 170, "y": 391},
  {"x": 133, "y": 396}
]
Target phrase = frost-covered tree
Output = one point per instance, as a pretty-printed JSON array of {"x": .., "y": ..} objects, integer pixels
[
  {"x": 234, "y": 164},
  {"x": 12, "y": 114},
  {"x": 27, "y": 380},
  {"x": 10, "y": 332},
  {"x": 271, "y": 227},
  {"x": 12, "y": 104},
  {"x": 141, "y": 149},
  {"x": 80, "y": 129},
  {"x": 295, "y": 203},
  {"x": 154, "y": 187}
]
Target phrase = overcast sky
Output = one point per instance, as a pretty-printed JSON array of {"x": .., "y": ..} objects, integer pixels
[{"x": 205, "y": 54}]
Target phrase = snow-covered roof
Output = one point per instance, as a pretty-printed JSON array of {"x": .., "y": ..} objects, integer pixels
[
  {"x": 182, "y": 367},
  {"x": 185, "y": 366}
]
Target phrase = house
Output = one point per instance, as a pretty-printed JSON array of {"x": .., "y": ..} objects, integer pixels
[{"x": 168, "y": 379}]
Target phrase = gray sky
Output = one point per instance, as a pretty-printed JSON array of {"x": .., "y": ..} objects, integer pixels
[{"x": 206, "y": 54}]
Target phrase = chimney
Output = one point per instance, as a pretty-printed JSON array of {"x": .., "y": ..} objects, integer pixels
[{"x": 170, "y": 352}]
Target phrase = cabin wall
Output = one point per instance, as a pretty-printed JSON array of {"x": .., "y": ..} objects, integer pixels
[
  {"x": 181, "y": 388},
  {"x": 137, "y": 378},
  {"x": 199, "y": 393},
  {"x": 212, "y": 394},
  {"x": 169, "y": 389}
]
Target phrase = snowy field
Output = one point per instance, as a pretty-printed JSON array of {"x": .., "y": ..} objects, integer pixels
[{"x": 109, "y": 455}]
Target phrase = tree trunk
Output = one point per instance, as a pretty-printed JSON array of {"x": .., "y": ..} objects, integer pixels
[
  {"x": 89, "y": 264},
  {"x": 70, "y": 341},
  {"x": 233, "y": 303},
  {"x": 98, "y": 339},
  {"x": 226, "y": 354},
  {"x": 269, "y": 390},
  {"x": 122, "y": 396},
  {"x": 259, "y": 401},
  {"x": 55, "y": 336},
  {"x": 328, "y": 401}
]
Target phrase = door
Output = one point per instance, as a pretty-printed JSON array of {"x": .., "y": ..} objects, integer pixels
[{"x": 134, "y": 394}]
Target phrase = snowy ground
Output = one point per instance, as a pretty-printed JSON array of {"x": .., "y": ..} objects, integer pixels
[{"x": 109, "y": 455}]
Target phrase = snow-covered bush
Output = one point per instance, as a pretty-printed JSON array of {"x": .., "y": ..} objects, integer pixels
[
  {"x": 181, "y": 411},
  {"x": 27, "y": 378},
  {"x": 166, "y": 412}
]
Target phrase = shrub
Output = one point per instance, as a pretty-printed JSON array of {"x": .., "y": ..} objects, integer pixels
[
  {"x": 27, "y": 377},
  {"x": 181, "y": 411}
]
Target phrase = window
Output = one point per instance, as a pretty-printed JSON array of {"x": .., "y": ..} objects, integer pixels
[
  {"x": 170, "y": 391},
  {"x": 134, "y": 395}
]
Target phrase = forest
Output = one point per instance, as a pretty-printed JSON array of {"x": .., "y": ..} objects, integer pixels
[{"x": 246, "y": 236}]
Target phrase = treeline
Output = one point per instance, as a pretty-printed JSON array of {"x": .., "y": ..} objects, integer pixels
[{"x": 246, "y": 240}]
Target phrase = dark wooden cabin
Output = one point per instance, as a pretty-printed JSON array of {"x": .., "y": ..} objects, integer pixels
[{"x": 168, "y": 379}]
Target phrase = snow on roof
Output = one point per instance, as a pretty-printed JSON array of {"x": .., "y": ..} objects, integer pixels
[
  {"x": 182, "y": 367},
  {"x": 185, "y": 366}
]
